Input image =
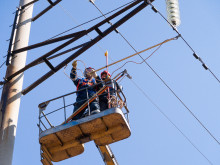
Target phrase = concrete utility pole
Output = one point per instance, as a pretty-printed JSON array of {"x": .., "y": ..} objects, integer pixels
[{"x": 11, "y": 94}]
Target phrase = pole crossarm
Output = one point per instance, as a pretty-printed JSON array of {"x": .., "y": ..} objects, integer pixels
[
  {"x": 46, "y": 10},
  {"x": 39, "y": 60},
  {"x": 33, "y": 63},
  {"x": 83, "y": 47},
  {"x": 47, "y": 42},
  {"x": 51, "y": 2},
  {"x": 92, "y": 42},
  {"x": 67, "y": 51},
  {"x": 64, "y": 52}
]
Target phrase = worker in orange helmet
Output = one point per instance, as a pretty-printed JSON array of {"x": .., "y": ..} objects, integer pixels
[{"x": 105, "y": 96}]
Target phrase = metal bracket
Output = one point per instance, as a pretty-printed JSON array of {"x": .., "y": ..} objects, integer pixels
[
  {"x": 99, "y": 31},
  {"x": 51, "y": 2},
  {"x": 49, "y": 64},
  {"x": 46, "y": 10},
  {"x": 8, "y": 61}
]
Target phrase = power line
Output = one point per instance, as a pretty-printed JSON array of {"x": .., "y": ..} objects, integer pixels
[
  {"x": 90, "y": 20},
  {"x": 2, "y": 64},
  {"x": 125, "y": 58},
  {"x": 141, "y": 61},
  {"x": 194, "y": 53},
  {"x": 158, "y": 108},
  {"x": 156, "y": 74},
  {"x": 162, "y": 79},
  {"x": 103, "y": 15}
]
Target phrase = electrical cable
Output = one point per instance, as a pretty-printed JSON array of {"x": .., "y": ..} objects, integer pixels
[
  {"x": 194, "y": 53},
  {"x": 2, "y": 64},
  {"x": 5, "y": 62},
  {"x": 138, "y": 53},
  {"x": 68, "y": 13},
  {"x": 90, "y": 20},
  {"x": 154, "y": 9},
  {"x": 176, "y": 126},
  {"x": 159, "y": 109},
  {"x": 139, "y": 62}
]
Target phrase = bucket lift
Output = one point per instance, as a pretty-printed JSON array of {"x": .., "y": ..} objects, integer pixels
[
  {"x": 107, "y": 155},
  {"x": 67, "y": 139}
]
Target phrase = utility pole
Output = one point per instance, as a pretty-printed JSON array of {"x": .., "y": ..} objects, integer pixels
[{"x": 11, "y": 94}]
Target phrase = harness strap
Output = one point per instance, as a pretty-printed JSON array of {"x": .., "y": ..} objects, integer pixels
[{"x": 84, "y": 81}]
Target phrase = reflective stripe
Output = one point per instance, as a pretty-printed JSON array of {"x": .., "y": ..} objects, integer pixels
[{"x": 84, "y": 81}]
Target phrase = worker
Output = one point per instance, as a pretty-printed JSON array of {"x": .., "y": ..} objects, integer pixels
[
  {"x": 104, "y": 98},
  {"x": 86, "y": 89}
]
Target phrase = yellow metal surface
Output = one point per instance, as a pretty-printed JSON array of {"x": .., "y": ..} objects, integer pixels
[
  {"x": 107, "y": 154},
  {"x": 46, "y": 160},
  {"x": 57, "y": 152},
  {"x": 67, "y": 140}
]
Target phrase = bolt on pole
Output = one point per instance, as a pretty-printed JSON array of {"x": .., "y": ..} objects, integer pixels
[{"x": 11, "y": 94}]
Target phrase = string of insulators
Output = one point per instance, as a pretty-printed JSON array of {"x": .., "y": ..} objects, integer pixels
[{"x": 173, "y": 12}]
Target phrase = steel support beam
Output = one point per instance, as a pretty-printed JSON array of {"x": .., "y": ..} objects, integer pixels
[
  {"x": 45, "y": 56},
  {"x": 45, "y": 10},
  {"x": 90, "y": 44},
  {"x": 39, "y": 60},
  {"x": 47, "y": 42}
]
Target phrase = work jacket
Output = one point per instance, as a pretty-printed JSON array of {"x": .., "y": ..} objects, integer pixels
[{"x": 83, "y": 85}]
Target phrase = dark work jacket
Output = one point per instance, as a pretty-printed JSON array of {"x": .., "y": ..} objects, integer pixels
[
  {"x": 112, "y": 89},
  {"x": 83, "y": 83}
]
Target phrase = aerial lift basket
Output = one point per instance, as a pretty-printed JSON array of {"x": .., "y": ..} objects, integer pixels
[{"x": 64, "y": 141}]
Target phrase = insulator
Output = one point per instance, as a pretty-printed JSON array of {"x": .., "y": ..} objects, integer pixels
[{"x": 173, "y": 12}]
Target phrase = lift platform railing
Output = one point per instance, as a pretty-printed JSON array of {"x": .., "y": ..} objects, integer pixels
[{"x": 50, "y": 117}]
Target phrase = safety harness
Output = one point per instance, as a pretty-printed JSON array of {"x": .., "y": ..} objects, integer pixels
[{"x": 85, "y": 81}]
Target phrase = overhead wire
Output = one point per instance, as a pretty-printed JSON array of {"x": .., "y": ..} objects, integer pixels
[
  {"x": 162, "y": 81},
  {"x": 2, "y": 64},
  {"x": 161, "y": 111},
  {"x": 194, "y": 53},
  {"x": 6, "y": 60},
  {"x": 68, "y": 13},
  {"x": 103, "y": 15},
  {"x": 141, "y": 61},
  {"x": 165, "y": 82},
  {"x": 90, "y": 20},
  {"x": 138, "y": 53}
]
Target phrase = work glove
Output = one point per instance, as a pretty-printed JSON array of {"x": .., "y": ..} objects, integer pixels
[{"x": 74, "y": 64}]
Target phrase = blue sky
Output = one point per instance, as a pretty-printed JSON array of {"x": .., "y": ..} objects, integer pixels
[{"x": 154, "y": 139}]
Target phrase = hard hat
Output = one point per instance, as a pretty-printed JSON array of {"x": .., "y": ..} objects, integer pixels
[
  {"x": 105, "y": 72},
  {"x": 87, "y": 70}
]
